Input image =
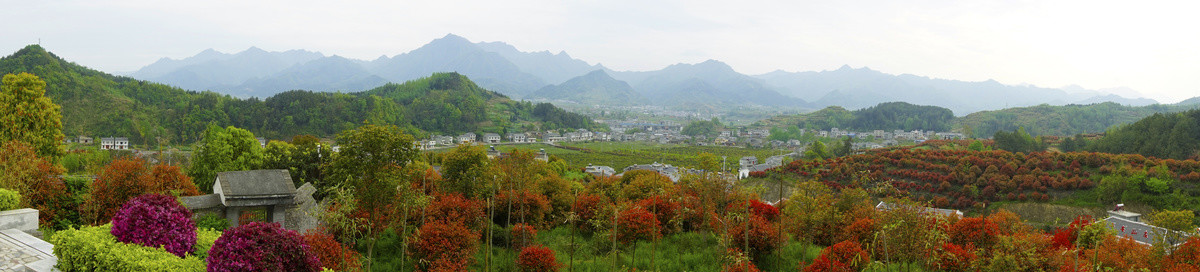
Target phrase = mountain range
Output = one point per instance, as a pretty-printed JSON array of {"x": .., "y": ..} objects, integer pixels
[{"x": 560, "y": 78}]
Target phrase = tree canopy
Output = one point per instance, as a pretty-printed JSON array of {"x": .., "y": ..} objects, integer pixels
[{"x": 29, "y": 116}]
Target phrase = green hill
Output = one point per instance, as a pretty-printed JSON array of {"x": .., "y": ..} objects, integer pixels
[
  {"x": 1169, "y": 135},
  {"x": 99, "y": 104},
  {"x": 885, "y": 116},
  {"x": 1062, "y": 120}
]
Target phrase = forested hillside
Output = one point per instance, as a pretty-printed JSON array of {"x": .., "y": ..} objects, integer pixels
[
  {"x": 1062, "y": 120},
  {"x": 886, "y": 116},
  {"x": 99, "y": 104},
  {"x": 1171, "y": 135}
]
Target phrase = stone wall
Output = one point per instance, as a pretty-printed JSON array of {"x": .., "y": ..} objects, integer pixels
[{"x": 21, "y": 219}]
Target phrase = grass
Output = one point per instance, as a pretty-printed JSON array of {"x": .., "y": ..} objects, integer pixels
[
  {"x": 1043, "y": 215},
  {"x": 690, "y": 251}
]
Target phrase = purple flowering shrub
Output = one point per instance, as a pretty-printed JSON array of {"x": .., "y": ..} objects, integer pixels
[
  {"x": 154, "y": 220},
  {"x": 261, "y": 246}
]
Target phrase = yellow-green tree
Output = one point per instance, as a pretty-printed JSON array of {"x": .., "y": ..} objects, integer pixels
[
  {"x": 29, "y": 116},
  {"x": 465, "y": 171},
  {"x": 224, "y": 149}
]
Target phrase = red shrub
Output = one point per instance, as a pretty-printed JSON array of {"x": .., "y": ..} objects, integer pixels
[
  {"x": 585, "y": 208},
  {"x": 1187, "y": 253},
  {"x": 156, "y": 221},
  {"x": 764, "y": 235},
  {"x": 331, "y": 253},
  {"x": 523, "y": 235},
  {"x": 952, "y": 257},
  {"x": 636, "y": 224},
  {"x": 860, "y": 230},
  {"x": 537, "y": 259},
  {"x": 664, "y": 210},
  {"x": 527, "y": 207},
  {"x": 261, "y": 247},
  {"x": 975, "y": 231},
  {"x": 455, "y": 208},
  {"x": 844, "y": 256},
  {"x": 124, "y": 179},
  {"x": 444, "y": 245}
]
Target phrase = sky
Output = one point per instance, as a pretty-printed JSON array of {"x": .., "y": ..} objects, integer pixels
[{"x": 1148, "y": 46}]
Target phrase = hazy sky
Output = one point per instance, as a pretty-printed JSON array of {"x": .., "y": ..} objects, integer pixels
[{"x": 1152, "y": 47}]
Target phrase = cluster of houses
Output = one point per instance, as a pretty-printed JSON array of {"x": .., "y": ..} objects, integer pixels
[
  {"x": 581, "y": 135},
  {"x": 106, "y": 143},
  {"x": 749, "y": 164}
]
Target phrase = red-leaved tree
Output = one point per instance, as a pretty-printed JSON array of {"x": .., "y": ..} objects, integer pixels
[
  {"x": 844, "y": 256},
  {"x": 537, "y": 258}
]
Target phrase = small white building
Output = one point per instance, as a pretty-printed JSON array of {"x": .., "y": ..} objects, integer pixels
[
  {"x": 491, "y": 138},
  {"x": 466, "y": 138},
  {"x": 114, "y": 143}
]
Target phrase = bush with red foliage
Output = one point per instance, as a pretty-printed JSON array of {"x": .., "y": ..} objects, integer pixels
[
  {"x": 1065, "y": 238},
  {"x": 764, "y": 235},
  {"x": 37, "y": 180},
  {"x": 844, "y": 256},
  {"x": 523, "y": 235},
  {"x": 331, "y": 253},
  {"x": 585, "y": 208},
  {"x": 974, "y": 231},
  {"x": 156, "y": 221},
  {"x": 1187, "y": 253},
  {"x": 261, "y": 247},
  {"x": 526, "y": 206},
  {"x": 454, "y": 207},
  {"x": 952, "y": 257},
  {"x": 637, "y": 223},
  {"x": 664, "y": 210},
  {"x": 537, "y": 259},
  {"x": 860, "y": 230},
  {"x": 124, "y": 179},
  {"x": 444, "y": 245}
]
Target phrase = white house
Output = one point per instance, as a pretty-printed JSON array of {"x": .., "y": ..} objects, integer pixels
[
  {"x": 491, "y": 138},
  {"x": 114, "y": 143}
]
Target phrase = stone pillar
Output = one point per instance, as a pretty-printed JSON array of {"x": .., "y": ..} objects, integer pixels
[
  {"x": 278, "y": 214},
  {"x": 233, "y": 214}
]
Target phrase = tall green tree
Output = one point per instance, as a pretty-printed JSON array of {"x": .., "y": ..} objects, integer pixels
[
  {"x": 364, "y": 153},
  {"x": 221, "y": 150},
  {"x": 29, "y": 116},
  {"x": 817, "y": 151},
  {"x": 465, "y": 171}
]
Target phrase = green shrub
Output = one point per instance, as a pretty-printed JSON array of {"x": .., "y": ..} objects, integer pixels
[
  {"x": 9, "y": 199},
  {"x": 212, "y": 221},
  {"x": 95, "y": 249}
]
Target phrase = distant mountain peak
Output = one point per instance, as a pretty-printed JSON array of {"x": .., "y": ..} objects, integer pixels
[
  {"x": 450, "y": 37},
  {"x": 845, "y": 67}
]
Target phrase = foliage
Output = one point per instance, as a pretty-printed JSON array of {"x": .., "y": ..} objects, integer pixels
[
  {"x": 455, "y": 208},
  {"x": 1017, "y": 141},
  {"x": 973, "y": 231},
  {"x": 96, "y": 103},
  {"x": 464, "y": 170},
  {"x": 1175, "y": 136},
  {"x": 261, "y": 247},
  {"x": 537, "y": 259},
  {"x": 30, "y": 116},
  {"x": 212, "y": 221},
  {"x": 331, "y": 253},
  {"x": 763, "y": 237},
  {"x": 9, "y": 199},
  {"x": 302, "y": 157},
  {"x": 444, "y": 246},
  {"x": 636, "y": 223},
  {"x": 1173, "y": 220},
  {"x": 155, "y": 220},
  {"x": 703, "y": 128},
  {"x": 127, "y": 178},
  {"x": 1045, "y": 119},
  {"x": 96, "y": 249},
  {"x": 221, "y": 150},
  {"x": 843, "y": 256},
  {"x": 39, "y": 183},
  {"x": 523, "y": 235}
]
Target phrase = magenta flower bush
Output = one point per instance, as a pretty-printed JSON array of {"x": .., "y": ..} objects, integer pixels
[
  {"x": 261, "y": 246},
  {"x": 155, "y": 221}
]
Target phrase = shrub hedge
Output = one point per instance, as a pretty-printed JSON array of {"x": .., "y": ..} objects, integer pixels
[
  {"x": 155, "y": 220},
  {"x": 96, "y": 249},
  {"x": 9, "y": 199}
]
